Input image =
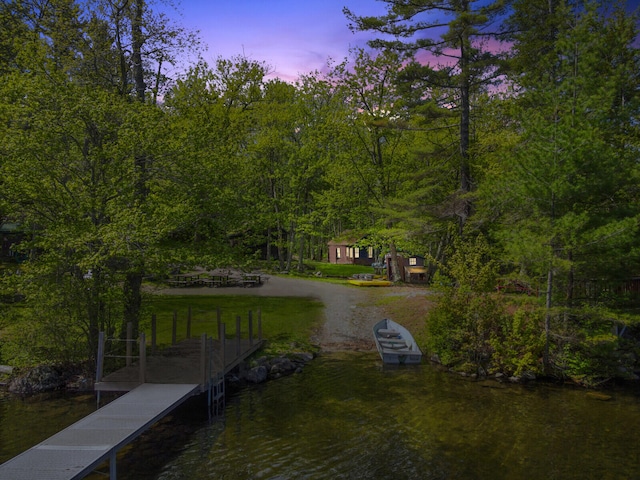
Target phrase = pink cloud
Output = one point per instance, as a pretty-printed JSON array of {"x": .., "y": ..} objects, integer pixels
[{"x": 294, "y": 37}]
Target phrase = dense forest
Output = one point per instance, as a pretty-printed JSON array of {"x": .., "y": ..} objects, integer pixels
[{"x": 498, "y": 139}]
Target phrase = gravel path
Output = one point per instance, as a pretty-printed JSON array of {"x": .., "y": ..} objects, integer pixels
[{"x": 349, "y": 311}]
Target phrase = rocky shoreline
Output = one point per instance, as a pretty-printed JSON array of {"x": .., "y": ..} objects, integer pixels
[
  {"x": 74, "y": 378},
  {"x": 48, "y": 378},
  {"x": 265, "y": 368}
]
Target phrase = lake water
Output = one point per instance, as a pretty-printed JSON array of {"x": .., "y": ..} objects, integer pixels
[{"x": 348, "y": 417}]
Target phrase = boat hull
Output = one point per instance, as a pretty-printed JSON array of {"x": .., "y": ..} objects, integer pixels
[{"x": 395, "y": 344}]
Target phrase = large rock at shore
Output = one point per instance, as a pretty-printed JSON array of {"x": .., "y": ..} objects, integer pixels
[
  {"x": 257, "y": 374},
  {"x": 265, "y": 368},
  {"x": 39, "y": 379},
  {"x": 282, "y": 366}
]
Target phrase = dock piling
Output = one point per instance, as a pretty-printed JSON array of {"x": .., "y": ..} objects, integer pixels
[
  {"x": 223, "y": 343},
  {"x": 128, "y": 343},
  {"x": 143, "y": 357},
  {"x": 203, "y": 358},
  {"x": 154, "y": 333},
  {"x": 174, "y": 328},
  {"x": 238, "y": 336}
]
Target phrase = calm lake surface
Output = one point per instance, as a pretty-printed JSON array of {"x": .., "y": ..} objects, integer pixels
[{"x": 348, "y": 417}]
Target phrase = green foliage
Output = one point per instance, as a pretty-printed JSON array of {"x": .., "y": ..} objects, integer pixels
[
  {"x": 460, "y": 327},
  {"x": 52, "y": 324},
  {"x": 593, "y": 361},
  {"x": 232, "y": 165},
  {"x": 568, "y": 183},
  {"x": 518, "y": 343},
  {"x": 589, "y": 349},
  {"x": 472, "y": 266},
  {"x": 472, "y": 329}
]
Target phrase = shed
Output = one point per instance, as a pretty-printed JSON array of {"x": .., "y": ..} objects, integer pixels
[
  {"x": 412, "y": 268},
  {"x": 344, "y": 251}
]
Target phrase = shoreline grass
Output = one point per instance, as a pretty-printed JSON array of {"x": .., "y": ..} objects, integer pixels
[{"x": 287, "y": 322}]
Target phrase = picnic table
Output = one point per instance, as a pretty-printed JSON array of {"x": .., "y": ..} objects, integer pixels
[
  {"x": 184, "y": 279},
  {"x": 215, "y": 281},
  {"x": 250, "y": 280}
]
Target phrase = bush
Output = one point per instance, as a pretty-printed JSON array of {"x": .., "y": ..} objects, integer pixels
[
  {"x": 518, "y": 343},
  {"x": 471, "y": 330},
  {"x": 588, "y": 351},
  {"x": 461, "y": 327}
]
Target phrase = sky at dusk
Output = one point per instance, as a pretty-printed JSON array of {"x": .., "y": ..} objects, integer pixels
[{"x": 293, "y": 37}]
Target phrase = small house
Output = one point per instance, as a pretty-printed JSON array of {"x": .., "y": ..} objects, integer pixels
[
  {"x": 412, "y": 269},
  {"x": 345, "y": 251}
]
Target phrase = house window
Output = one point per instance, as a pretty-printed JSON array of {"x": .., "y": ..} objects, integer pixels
[
  {"x": 357, "y": 252},
  {"x": 338, "y": 254},
  {"x": 370, "y": 252},
  {"x": 413, "y": 261}
]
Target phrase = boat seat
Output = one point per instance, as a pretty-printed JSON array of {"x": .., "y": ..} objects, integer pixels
[
  {"x": 392, "y": 340},
  {"x": 396, "y": 351},
  {"x": 385, "y": 332},
  {"x": 394, "y": 346}
]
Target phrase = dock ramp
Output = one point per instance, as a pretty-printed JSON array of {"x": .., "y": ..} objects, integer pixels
[{"x": 79, "y": 449}]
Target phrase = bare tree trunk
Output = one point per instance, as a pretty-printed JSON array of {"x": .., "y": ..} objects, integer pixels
[
  {"x": 301, "y": 253},
  {"x": 570, "y": 280},
  {"x": 465, "y": 120},
  {"x": 393, "y": 264},
  {"x": 133, "y": 300},
  {"x": 281, "y": 250},
  {"x": 133, "y": 280},
  {"x": 547, "y": 320},
  {"x": 268, "y": 253},
  {"x": 437, "y": 257},
  {"x": 136, "y": 54},
  {"x": 290, "y": 245}
]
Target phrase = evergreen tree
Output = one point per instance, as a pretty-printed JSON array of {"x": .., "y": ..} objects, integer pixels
[
  {"x": 571, "y": 179},
  {"x": 378, "y": 144},
  {"x": 454, "y": 33}
]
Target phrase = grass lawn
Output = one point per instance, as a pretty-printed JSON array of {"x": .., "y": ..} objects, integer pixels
[
  {"x": 287, "y": 322},
  {"x": 338, "y": 270}
]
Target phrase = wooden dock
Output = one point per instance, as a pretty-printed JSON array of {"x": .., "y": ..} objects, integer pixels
[
  {"x": 196, "y": 360},
  {"x": 156, "y": 385},
  {"x": 79, "y": 449}
]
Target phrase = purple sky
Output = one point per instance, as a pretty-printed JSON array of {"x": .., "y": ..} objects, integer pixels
[{"x": 292, "y": 36}]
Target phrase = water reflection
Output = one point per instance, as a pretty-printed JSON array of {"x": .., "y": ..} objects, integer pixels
[
  {"x": 347, "y": 417},
  {"x": 26, "y": 422}
]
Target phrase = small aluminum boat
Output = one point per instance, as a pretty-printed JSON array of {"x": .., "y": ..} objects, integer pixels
[{"x": 395, "y": 344}]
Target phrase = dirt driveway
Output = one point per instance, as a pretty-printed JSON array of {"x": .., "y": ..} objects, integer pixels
[{"x": 349, "y": 311}]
